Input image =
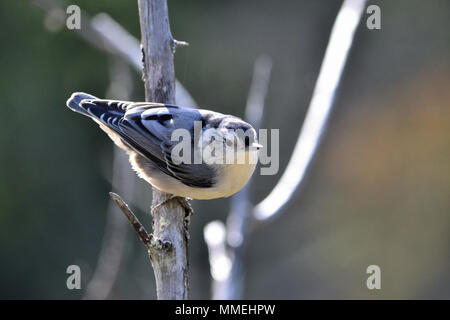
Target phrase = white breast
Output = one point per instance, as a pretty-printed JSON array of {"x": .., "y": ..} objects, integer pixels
[
  {"x": 231, "y": 178},
  {"x": 234, "y": 177}
]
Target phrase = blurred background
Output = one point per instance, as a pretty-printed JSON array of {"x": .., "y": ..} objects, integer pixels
[{"x": 377, "y": 193}]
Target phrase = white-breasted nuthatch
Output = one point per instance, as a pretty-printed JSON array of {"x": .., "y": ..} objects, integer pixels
[{"x": 145, "y": 130}]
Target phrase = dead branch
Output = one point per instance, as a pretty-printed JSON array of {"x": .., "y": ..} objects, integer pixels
[
  {"x": 226, "y": 244},
  {"x": 228, "y": 282},
  {"x": 123, "y": 179},
  {"x": 319, "y": 109},
  {"x": 170, "y": 224}
]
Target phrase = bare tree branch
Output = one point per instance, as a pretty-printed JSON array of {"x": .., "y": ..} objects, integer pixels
[
  {"x": 226, "y": 252},
  {"x": 170, "y": 223},
  {"x": 104, "y": 33},
  {"x": 228, "y": 277},
  {"x": 137, "y": 225},
  {"x": 114, "y": 238},
  {"x": 318, "y": 112},
  {"x": 123, "y": 179},
  {"x": 254, "y": 109},
  {"x": 121, "y": 42},
  {"x": 214, "y": 234}
]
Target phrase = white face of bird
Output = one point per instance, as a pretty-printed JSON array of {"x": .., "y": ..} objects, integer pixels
[{"x": 227, "y": 146}]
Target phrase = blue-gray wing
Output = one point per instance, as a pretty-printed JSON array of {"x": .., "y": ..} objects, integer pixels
[{"x": 147, "y": 128}]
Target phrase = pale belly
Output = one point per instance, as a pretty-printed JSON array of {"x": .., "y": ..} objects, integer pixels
[{"x": 231, "y": 178}]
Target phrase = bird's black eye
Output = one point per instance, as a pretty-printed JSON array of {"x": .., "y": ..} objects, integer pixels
[
  {"x": 162, "y": 119},
  {"x": 247, "y": 141}
]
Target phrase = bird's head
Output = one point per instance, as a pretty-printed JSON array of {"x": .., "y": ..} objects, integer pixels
[{"x": 233, "y": 139}]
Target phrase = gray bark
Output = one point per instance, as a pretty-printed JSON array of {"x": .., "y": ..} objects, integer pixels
[{"x": 170, "y": 262}]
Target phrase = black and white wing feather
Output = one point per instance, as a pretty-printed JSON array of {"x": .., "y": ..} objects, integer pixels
[{"x": 147, "y": 128}]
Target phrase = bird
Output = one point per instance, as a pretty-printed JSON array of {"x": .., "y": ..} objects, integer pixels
[{"x": 145, "y": 131}]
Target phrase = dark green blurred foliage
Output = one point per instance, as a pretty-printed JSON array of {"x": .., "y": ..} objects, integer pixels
[{"x": 378, "y": 192}]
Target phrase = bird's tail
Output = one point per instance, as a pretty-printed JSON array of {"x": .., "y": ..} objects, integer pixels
[{"x": 74, "y": 102}]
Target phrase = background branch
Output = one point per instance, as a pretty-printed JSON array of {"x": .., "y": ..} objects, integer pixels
[
  {"x": 226, "y": 244},
  {"x": 319, "y": 109},
  {"x": 105, "y": 34},
  {"x": 123, "y": 180},
  {"x": 114, "y": 238}
]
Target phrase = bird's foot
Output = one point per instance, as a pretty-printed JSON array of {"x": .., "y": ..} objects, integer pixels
[{"x": 184, "y": 202}]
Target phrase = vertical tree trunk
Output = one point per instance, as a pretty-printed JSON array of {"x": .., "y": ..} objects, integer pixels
[{"x": 169, "y": 257}]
